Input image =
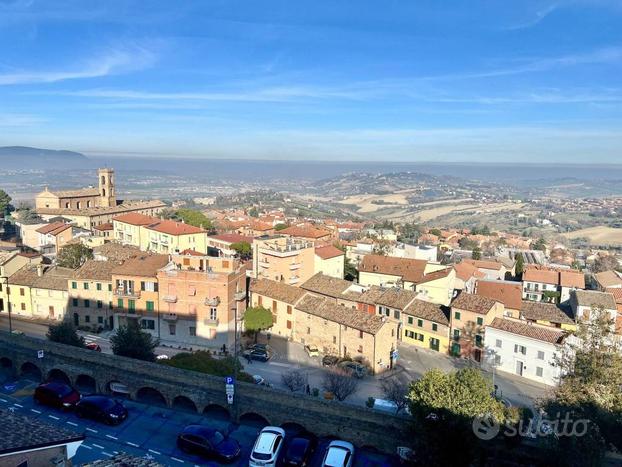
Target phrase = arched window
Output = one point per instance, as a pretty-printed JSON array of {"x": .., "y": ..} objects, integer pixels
[
  {"x": 79, "y": 204},
  {"x": 88, "y": 204},
  {"x": 103, "y": 192},
  {"x": 103, "y": 179},
  {"x": 66, "y": 205}
]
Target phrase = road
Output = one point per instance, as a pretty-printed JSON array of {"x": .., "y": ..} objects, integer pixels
[{"x": 150, "y": 431}]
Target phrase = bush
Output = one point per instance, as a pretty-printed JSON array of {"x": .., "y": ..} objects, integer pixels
[
  {"x": 203, "y": 362},
  {"x": 65, "y": 333}
]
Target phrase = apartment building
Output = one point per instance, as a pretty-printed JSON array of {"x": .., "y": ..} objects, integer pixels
[
  {"x": 52, "y": 237},
  {"x": 221, "y": 245},
  {"x": 426, "y": 325},
  {"x": 437, "y": 286},
  {"x": 10, "y": 263},
  {"x": 91, "y": 298},
  {"x": 547, "y": 314},
  {"x": 585, "y": 302},
  {"x": 284, "y": 259},
  {"x": 526, "y": 350},
  {"x": 135, "y": 290},
  {"x": 279, "y": 298},
  {"x": 491, "y": 269},
  {"x": 506, "y": 292},
  {"x": 551, "y": 285},
  {"x": 386, "y": 271},
  {"x": 199, "y": 300},
  {"x": 329, "y": 260},
  {"x": 467, "y": 276},
  {"x": 309, "y": 233},
  {"x": 470, "y": 314}
]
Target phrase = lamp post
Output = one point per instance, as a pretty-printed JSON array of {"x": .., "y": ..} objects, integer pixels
[{"x": 236, "y": 362}]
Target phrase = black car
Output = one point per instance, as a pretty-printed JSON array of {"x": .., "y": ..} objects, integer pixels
[
  {"x": 207, "y": 442},
  {"x": 257, "y": 353},
  {"x": 57, "y": 395},
  {"x": 299, "y": 451},
  {"x": 330, "y": 360},
  {"x": 102, "y": 409}
]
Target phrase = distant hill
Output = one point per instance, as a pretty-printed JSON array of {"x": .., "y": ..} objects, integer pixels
[{"x": 15, "y": 157}]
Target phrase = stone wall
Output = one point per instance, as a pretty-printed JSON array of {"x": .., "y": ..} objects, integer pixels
[{"x": 354, "y": 423}]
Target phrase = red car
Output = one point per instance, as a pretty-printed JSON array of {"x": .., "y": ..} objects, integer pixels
[
  {"x": 57, "y": 395},
  {"x": 94, "y": 346}
]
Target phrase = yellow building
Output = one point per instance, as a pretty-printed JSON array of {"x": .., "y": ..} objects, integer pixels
[
  {"x": 10, "y": 263},
  {"x": 90, "y": 295},
  {"x": 426, "y": 325},
  {"x": 329, "y": 260},
  {"x": 437, "y": 287},
  {"x": 546, "y": 314},
  {"x": 388, "y": 271},
  {"x": 279, "y": 298},
  {"x": 283, "y": 259}
]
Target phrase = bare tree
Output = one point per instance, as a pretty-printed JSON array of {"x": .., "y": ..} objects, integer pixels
[
  {"x": 340, "y": 383},
  {"x": 396, "y": 392},
  {"x": 295, "y": 380}
]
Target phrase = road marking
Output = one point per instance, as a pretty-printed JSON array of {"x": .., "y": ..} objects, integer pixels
[
  {"x": 54, "y": 417},
  {"x": 132, "y": 444},
  {"x": 18, "y": 405},
  {"x": 3, "y": 400},
  {"x": 98, "y": 446},
  {"x": 35, "y": 410},
  {"x": 155, "y": 452},
  {"x": 85, "y": 446},
  {"x": 111, "y": 437},
  {"x": 178, "y": 460},
  {"x": 92, "y": 337},
  {"x": 71, "y": 423},
  {"x": 106, "y": 454},
  {"x": 287, "y": 365},
  {"x": 92, "y": 430}
]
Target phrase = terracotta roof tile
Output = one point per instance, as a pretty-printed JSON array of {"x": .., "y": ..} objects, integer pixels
[
  {"x": 54, "y": 228},
  {"x": 174, "y": 228},
  {"x": 135, "y": 218},
  {"x": 592, "y": 298},
  {"x": 475, "y": 303},
  {"x": 532, "y": 331},
  {"x": 52, "y": 278},
  {"x": 410, "y": 270},
  {"x": 396, "y": 297},
  {"x": 466, "y": 271},
  {"x": 572, "y": 279},
  {"x": 608, "y": 279},
  {"x": 435, "y": 275},
  {"x": 96, "y": 270},
  {"x": 542, "y": 276},
  {"x": 326, "y": 285},
  {"x": 113, "y": 251},
  {"x": 617, "y": 294},
  {"x": 541, "y": 311},
  {"x": 484, "y": 264},
  {"x": 231, "y": 238},
  {"x": 304, "y": 232},
  {"x": 277, "y": 290},
  {"x": 430, "y": 311},
  {"x": 146, "y": 265},
  {"x": 508, "y": 293},
  {"x": 329, "y": 251}
]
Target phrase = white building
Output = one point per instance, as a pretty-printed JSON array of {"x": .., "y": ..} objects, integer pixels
[
  {"x": 526, "y": 350},
  {"x": 584, "y": 302}
]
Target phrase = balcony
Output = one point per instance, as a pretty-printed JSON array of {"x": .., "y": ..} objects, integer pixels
[
  {"x": 294, "y": 266},
  {"x": 169, "y": 316},
  {"x": 170, "y": 298},
  {"x": 263, "y": 264},
  {"x": 210, "y": 322},
  {"x": 212, "y": 301},
  {"x": 238, "y": 296},
  {"x": 294, "y": 280},
  {"x": 126, "y": 292}
]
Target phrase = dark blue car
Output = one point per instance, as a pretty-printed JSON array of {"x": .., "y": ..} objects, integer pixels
[
  {"x": 208, "y": 442},
  {"x": 299, "y": 451},
  {"x": 101, "y": 408}
]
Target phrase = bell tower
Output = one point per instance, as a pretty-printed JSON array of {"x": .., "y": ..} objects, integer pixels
[{"x": 107, "y": 195}]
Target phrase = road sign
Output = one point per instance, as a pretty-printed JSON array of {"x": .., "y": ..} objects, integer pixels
[
  {"x": 229, "y": 380},
  {"x": 39, "y": 353},
  {"x": 395, "y": 355},
  {"x": 229, "y": 399},
  {"x": 229, "y": 388}
]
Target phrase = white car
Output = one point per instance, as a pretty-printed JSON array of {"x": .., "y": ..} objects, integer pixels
[
  {"x": 338, "y": 454},
  {"x": 267, "y": 447}
]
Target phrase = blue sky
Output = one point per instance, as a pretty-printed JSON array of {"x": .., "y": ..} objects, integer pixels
[{"x": 486, "y": 81}]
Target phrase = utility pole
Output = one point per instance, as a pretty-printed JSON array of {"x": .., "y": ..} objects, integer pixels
[{"x": 236, "y": 361}]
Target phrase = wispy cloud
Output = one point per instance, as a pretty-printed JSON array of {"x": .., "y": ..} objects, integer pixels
[
  {"x": 537, "y": 18},
  {"x": 19, "y": 120},
  {"x": 113, "y": 61}
]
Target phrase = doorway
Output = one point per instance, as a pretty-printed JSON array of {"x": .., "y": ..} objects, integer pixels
[
  {"x": 76, "y": 319},
  {"x": 519, "y": 368}
]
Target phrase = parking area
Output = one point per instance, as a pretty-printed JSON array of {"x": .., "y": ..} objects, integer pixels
[{"x": 151, "y": 431}]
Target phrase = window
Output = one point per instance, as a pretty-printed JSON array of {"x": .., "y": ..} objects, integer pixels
[
  {"x": 120, "y": 303},
  {"x": 497, "y": 359},
  {"x": 410, "y": 334},
  {"x": 539, "y": 371},
  {"x": 87, "y": 303},
  {"x": 109, "y": 287},
  {"x": 360, "y": 334},
  {"x": 100, "y": 320},
  {"x": 85, "y": 286},
  {"x": 259, "y": 300},
  {"x": 540, "y": 355},
  {"x": 148, "y": 324},
  {"x": 396, "y": 314},
  {"x": 289, "y": 324},
  {"x": 21, "y": 292},
  {"x": 74, "y": 285},
  {"x": 100, "y": 304},
  {"x": 456, "y": 315},
  {"x": 520, "y": 349},
  {"x": 434, "y": 327},
  {"x": 410, "y": 320},
  {"x": 273, "y": 306},
  {"x": 456, "y": 333},
  {"x": 98, "y": 286},
  {"x": 87, "y": 319},
  {"x": 131, "y": 305},
  {"x": 74, "y": 301},
  {"x": 23, "y": 306},
  {"x": 149, "y": 305},
  {"x": 213, "y": 313},
  {"x": 480, "y": 321},
  {"x": 360, "y": 349},
  {"x": 172, "y": 329},
  {"x": 478, "y": 339},
  {"x": 498, "y": 343},
  {"x": 192, "y": 331},
  {"x": 334, "y": 339},
  {"x": 420, "y": 323},
  {"x": 308, "y": 330},
  {"x": 289, "y": 309}
]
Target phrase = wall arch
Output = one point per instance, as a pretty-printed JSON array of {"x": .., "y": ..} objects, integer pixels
[
  {"x": 151, "y": 396},
  {"x": 184, "y": 404},
  {"x": 58, "y": 376},
  {"x": 30, "y": 371},
  {"x": 293, "y": 428},
  {"x": 86, "y": 384},
  {"x": 217, "y": 412},
  {"x": 253, "y": 419}
]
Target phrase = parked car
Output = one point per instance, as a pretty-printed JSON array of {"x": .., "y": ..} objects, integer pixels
[
  {"x": 267, "y": 447},
  {"x": 261, "y": 381},
  {"x": 94, "y": 346},
  {"x": 258, "y": 354},
  {"x": 162, "y": 357},
  {"x": 208, "y": 442},
  {"x": 102, "y": 409},
  {"x": 312, "y": 351},
  {"x": 330, "y": 360},
  {"x": 57, "y": 395},
  {"x": 354, "y": 368},
  {"x": 299, "y": 451},
  {"x": 338, "y": 454}
]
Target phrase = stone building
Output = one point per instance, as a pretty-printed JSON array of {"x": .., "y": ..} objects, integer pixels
[
  {"x": 101, "y": 197},
  {"x": 91, "y": 295}
]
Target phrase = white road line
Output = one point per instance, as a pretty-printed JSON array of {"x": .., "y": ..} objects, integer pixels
[
  {"x": 3, "y": 400},
  {"x": 98, "y": 446},
  {"x": 92, "y": 337},
  {"x": 111, "y": 437},
  {"x": 178, "y": 460},
  {"x": 18, "y": 405},
  {"x": 154, "y": 452},
  {"x": 132, "y": 444},
  {"x": 71, "y": 423},
  {"x": 35, "y": 410},
  {"x": 91, "y": 430},
  {"x": 106, "y": 454},
  {"x": 85, "y": 446},
  {"x": 287, "y": 365},
  {"x": 116, "y": 452},
  {"x": 54, "y": 417}
]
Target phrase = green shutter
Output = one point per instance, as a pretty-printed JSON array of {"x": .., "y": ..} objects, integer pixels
[
  {"x": 131, "y": 305},
  {"x": 98, "y": 286},
  {"x": 150, "y": 306},
  {"x": 120, "y": 303},
  {"x": 74, "y": 285},
  {"x": 456, "y": 315},
  {"x": 420, "y": 323},
  {"x": 434, "y": 327}
]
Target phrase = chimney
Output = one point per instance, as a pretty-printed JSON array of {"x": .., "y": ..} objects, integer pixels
[{"x": 39, "y": 270}]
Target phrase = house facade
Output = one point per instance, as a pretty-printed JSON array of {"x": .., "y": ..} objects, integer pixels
[
  {"x": 91, "y": 298},
  {"x": 329, "y": 260},
  {"x": 284, "y": 259}
]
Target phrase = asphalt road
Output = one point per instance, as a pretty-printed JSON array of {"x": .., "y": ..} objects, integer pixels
[{"x": 149, "y": 431}]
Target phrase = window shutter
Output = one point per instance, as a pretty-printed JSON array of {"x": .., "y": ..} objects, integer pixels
[{"x": 142, "y": 285}]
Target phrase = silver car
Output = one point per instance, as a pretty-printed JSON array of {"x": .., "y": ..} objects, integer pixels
[{"x": 338, "y": 454}]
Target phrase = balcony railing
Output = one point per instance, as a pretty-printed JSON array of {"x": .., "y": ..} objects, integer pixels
[
  {"x": 210, "y": 322},
  {"x": 169, "y": 316},
  {"x": 212, "y": 301},
  {"x": 126, "y": 292},
  {"x": 294, "y": 266},
  {"x": 294, "y": 280},
  {"x": 263, "y": 264},
  {"x": 170, "y": 298}
]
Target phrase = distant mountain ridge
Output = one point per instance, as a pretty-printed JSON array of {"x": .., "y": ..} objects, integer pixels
[{"x": 16, "y": 157}]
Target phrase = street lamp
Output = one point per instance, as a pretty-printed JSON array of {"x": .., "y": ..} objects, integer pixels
[{"x": 236, "y": 362}]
